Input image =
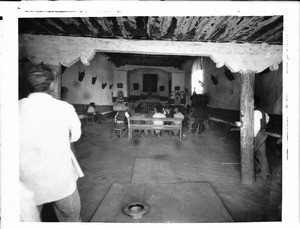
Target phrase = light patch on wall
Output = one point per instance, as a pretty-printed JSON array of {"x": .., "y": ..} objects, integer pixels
[
  {"x": 86, "y": 95},
  {"x": 197, "y": 81}
]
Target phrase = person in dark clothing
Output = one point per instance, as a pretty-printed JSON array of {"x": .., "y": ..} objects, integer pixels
[
  {"x": 200, "y": 114},
  {"x": 187, "y": 109},
  {"x": 193, "y": 99},
  {"x": 120, "y": 119}
]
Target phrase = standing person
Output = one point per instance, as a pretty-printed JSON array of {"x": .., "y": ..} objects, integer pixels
[
  {"x": 200, "y": 114},
  {"x": 261, "y": 119},
  {"x": 98, "y": 117},
  {"x": 47, "y": 126}
]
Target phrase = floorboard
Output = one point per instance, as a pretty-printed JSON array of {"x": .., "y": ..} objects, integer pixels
[
  {"x": 169, "y": 203},
  {"x": 153, "y": 171}
]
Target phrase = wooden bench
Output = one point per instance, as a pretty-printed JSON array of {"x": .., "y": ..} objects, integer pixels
[{"x": 143, "y": 123}]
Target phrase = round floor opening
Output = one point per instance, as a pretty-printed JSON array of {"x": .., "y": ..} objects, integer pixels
[
  {"x": 136, "y": 210},
  {"x": 136, "y": 207}
]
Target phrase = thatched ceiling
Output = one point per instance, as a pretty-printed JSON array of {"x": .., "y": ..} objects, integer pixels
[{"x": 219, "y": 29}]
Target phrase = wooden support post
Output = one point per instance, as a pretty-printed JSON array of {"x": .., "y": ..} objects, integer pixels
[{"x": 247, "y": 116}]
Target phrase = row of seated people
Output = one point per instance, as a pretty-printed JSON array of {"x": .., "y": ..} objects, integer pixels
[
  {"x": 120, "y": 120},
  {"x": 160, "y": 112}
]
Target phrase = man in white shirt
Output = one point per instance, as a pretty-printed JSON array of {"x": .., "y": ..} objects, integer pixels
[
  {"x": 158, "y": 114},
  {"x": 261, "y": 119},
  {"x": 177, "y": 114},
  {"x": 47, "y": 126}
]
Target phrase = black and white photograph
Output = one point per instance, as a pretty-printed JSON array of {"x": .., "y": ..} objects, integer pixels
[{"x": 161, "y": 116}]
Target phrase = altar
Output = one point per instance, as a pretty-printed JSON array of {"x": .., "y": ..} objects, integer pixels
[{"x": 149, "y": 104}]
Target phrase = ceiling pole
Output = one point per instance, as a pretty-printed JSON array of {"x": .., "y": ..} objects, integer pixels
[{"x": 246, "y": 134}]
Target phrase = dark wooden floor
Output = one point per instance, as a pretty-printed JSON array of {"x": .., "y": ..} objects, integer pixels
[
  {"x": 169, "y": 203},
  {"x": 210, "y": 158}
]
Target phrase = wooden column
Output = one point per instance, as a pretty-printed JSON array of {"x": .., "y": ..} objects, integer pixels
[{"x": 247, "y": 116}]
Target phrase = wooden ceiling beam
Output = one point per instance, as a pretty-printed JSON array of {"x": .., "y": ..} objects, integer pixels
[
  {"x": 237, "y": 57},
  {"x": 134, "y": 67}
]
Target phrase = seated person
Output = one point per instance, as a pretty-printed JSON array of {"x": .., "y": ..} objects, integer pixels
[
  {"x": 172, "y": 112},
  {"x": 169, "y": 114},
  {"x": 98, "y": 117},
  {"x": 189, "y": 119},
  {"x": 120, "y": 119},
  {"x": 166, "y": 111},
  {"x": 138, "y": 108},
  {"x": 187, "y": 112},
  {"x": 158, "y": 114},
  {"x": 177, "y": 114},
  {"x": 128, "y": 110}
]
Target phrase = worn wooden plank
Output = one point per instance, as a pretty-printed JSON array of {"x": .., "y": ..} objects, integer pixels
[
  {"x": 111, "y": 208},
  {"x": 190, "y": 208},
  {"x": 169, "y": 174},
  {"x": 152, "y": 171},
  {"x": 169, "y": 203},
  {"x": 210, "y": 203},
  {"x": 107, "y": 210},
  {"x": 135, "y": 193},
  {"x": 247, "y": 138},
  {"x": 152, "y": 196},
  {"x": 139, "y": 172}
]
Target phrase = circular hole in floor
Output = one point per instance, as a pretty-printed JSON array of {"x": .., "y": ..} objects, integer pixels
[{"x": 136, "y": 207}]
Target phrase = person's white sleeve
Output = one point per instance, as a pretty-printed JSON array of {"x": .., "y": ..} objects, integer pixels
[
  {"x": 257, "y": 118},
  {"x": 116, "y": 115},
  {"x": 75, "y": 125},
  {"x": 267, "y": 118},
  {"x": 127, "y": 115},
  {"x": 182, "y": 116},
  {"x": 28, "y": 207}
]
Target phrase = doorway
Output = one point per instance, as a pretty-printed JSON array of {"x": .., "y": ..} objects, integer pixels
[{"x": 149, "y": 83}]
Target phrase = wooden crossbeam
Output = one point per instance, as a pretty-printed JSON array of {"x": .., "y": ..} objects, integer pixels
[{"x": 59, "y": 49}]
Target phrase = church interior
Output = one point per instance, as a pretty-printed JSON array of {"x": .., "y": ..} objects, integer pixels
[{"x": 174, "y": 62}]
